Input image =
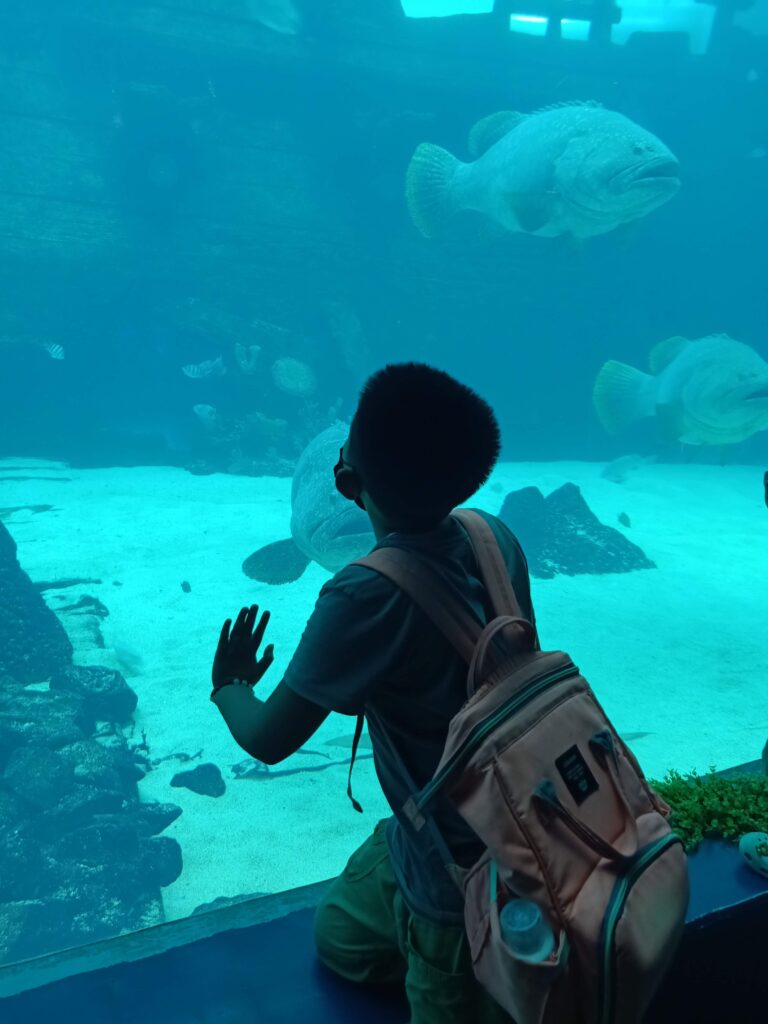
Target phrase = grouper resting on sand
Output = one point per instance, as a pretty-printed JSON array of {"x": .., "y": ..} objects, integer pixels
[{"x": 325, "y": 527}]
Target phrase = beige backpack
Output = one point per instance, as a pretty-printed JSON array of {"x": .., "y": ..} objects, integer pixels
[{"x": 538, "y": 772}]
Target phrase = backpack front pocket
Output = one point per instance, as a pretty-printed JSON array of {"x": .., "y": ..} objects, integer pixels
[{"x": 533, "y": 993}]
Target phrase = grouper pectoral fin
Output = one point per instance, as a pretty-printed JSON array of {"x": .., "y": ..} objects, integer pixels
[
  {"x": 489, "y": 130},
  {"x": 670, "y": 425},
  {"x": 665, "y": 352},
  {"x": 276, "y": 563},
  {"x": 532, "y": 210}
]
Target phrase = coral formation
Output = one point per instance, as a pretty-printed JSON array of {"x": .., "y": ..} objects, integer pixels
[
  {"x": 711, "y": 805},
  {"x": 294, "y": 377}
]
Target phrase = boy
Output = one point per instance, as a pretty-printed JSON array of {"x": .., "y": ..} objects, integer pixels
[{"x": 420, "y": 444}]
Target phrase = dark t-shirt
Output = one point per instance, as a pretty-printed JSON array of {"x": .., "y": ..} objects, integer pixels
[{"x": 367, "y": 648}]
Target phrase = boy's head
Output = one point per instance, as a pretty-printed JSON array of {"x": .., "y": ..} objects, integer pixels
[{"x": 420, "y": 444}]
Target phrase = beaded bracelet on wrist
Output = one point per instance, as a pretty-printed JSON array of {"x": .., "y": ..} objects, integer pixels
[{"x": 229, "y": 682}]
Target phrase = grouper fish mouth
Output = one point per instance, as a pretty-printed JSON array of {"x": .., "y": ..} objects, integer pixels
[
  {"x": 325, "y": 527},
  {"x": 753, "y": 392},
  {"x": 340, "y": 537},
  {"x": 662, "y": 171}
]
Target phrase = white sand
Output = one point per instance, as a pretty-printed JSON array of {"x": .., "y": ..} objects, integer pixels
[{"x": 680, "y": 651}]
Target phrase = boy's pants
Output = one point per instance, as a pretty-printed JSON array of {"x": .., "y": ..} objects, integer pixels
[{"x": 365, "y": 932}]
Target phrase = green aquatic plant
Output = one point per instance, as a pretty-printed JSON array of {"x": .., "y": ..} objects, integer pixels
[{"x": 711, "y": 805}]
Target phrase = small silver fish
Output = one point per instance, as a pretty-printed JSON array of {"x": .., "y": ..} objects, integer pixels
[
  {"x": 54, "y": 351},
  {"x": 208, "y": 368},
  {"x": 618, "y": 470},
  {"x": 207, "y": 414}
]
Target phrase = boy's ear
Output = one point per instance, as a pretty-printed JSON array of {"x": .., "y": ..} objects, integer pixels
[{"x": 348, "y": 485}]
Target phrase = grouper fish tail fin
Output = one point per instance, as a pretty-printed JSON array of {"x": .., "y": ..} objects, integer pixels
[
  {"x": 428, "y": 188},
  {"x": 622, "y": 395}
]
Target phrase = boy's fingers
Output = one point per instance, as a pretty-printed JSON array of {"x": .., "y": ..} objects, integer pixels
[
  {"x": 258, "y": 635},
  {"x": 266, "y": 660},
  {"x": 223, "y": 636}
]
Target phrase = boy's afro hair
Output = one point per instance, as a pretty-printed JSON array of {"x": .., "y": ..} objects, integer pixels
[{"x": 422, "y": 441}]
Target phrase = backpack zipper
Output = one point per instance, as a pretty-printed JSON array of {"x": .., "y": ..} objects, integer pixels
[
  {"x": 478, "y": 734},
  {"x": 612, "y": 915}
]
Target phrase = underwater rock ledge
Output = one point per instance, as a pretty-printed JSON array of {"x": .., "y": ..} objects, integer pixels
[{"x": 80, "y": 854}]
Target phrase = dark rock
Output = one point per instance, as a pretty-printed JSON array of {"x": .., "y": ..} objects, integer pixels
[
  {"x": 154, "y": 861},
  {"x": 91, "y": 762},
  {"x": 106, "y": 695},
  {"x": 98, "y": 842},
  {"x": 86, "y": 605},
  {"x": 51, "y": 720},
  {"x": 38, "y": 776},
  {"x": 161, "y": 861},
  {"x": 80, "y": 858},
  {"x": 79, "y": 805},
  {"x": 33, "y": 643},
  {"x": 21, "y": 865},
  {"x": 75, "y": 917},
  {"x": 146, "y": 864},
  {"x": 561, "y": 534},
  {"x": 22, "y": 924},
  {"x": 205, "y": 779},
  {"x": 186, "y": 587},
  {"x": 149, "y": 819}
]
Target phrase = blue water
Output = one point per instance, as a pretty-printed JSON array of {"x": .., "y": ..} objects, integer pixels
[{"x": 175, "y": 185}]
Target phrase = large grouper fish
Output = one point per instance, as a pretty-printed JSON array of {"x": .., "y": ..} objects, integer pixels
[
  {"x": 576, "y": 169},
  {"x": 708, "y": 391},
  {"x": 325, "y": 527}
]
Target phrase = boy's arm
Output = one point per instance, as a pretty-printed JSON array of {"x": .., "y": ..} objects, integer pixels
[{"x": 269, "y": 730}]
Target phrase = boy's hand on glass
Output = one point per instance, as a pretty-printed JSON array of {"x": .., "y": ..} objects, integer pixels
[{"x": 237, "y": 651}]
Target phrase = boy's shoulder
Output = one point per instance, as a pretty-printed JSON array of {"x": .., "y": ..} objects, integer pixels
[
  {"x": 506, "y": 539},
  {"x": 359, "y": 581}
]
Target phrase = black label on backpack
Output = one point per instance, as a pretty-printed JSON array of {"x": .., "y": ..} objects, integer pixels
[{"x": 575, "y": 773}]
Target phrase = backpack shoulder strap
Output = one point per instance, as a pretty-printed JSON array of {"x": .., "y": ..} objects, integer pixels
[
  {"x": 437, "y": 598},
  {"x": 490, "y": 561},
  {"x": 432, "y": 593}
]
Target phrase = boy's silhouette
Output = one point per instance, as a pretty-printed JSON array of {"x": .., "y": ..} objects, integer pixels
[{"x": 420, "y": 444}]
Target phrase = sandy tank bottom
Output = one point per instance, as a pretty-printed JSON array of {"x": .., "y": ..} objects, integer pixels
[{"x": 678, "y": 652}]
